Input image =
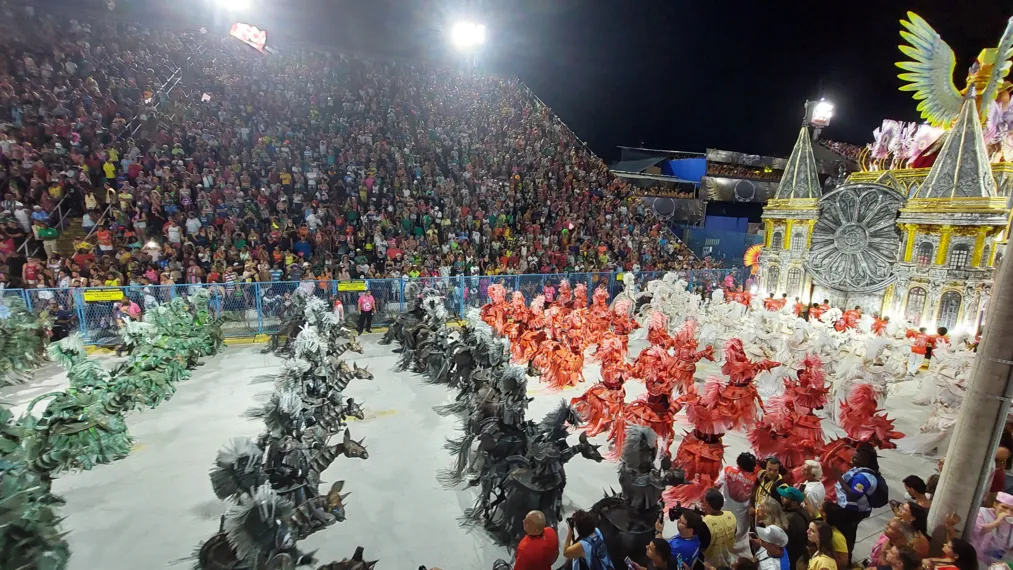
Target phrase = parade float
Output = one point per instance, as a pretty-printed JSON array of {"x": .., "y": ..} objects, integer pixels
[{"x": 918, "y": 231}]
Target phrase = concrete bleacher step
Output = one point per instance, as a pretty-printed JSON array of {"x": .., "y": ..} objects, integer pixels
[{"x": 69, "y": 237}]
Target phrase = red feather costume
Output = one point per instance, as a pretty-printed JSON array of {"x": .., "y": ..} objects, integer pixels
[
  {"x": 701, "y": 453},
  {"x": 494, "y": 313},
  {"x": 683, "y": 366},
  {"x": 603, "y": 403},
  {"x": 738, "y": 398},
  {"x": 863, "y": 423},
  {"x": 811, "y": 391},
  {"x": 788, "y": 431}
]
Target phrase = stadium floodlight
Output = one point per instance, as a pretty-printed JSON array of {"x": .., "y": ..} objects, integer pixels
[
  {"x": 234, "y": 5},
  {"x": 819, "y": 113},
  {"x": 467, "y": 35}
]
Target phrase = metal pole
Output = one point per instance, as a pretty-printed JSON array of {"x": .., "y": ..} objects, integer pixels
[{"x": 985, "y": 407}]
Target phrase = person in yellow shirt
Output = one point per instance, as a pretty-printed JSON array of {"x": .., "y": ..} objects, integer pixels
[
  {"x": 722, "y": 526},
  {"x": 110, "y": 170},
  {"x": 114, "y": 155},
  {"x": 821, "y": 536},
  {"x": 286, "y": 178}
]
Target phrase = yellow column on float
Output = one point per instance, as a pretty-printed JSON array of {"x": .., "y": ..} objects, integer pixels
[
  {"x": 979, "y": 246},
  {"x": 909, "y": 247},
  {"x": 944, "y": 244}
]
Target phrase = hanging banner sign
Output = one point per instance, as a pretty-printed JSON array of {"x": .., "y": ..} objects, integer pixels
[
  {"x": 352, "y": 286},
  {"x": 249, "y": 35},
  {"x": 102, "y": 295}
]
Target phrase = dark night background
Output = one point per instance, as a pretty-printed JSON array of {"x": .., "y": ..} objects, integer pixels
[{"x": 684, "y": 75}]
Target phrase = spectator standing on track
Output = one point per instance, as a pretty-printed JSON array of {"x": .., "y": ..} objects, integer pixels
[
  {"x": 367, "y": 304},
  {"x": 540, "y": 547}
]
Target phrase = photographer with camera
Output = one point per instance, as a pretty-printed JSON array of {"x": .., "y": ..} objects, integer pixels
[
  {"x": 692, "y": 537},
  {"x": 584, "y": 544}
]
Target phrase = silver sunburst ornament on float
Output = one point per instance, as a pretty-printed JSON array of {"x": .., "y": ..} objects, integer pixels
[{"x": 855, "y": 240}]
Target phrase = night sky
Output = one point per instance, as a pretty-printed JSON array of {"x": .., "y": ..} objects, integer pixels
[{"x": 672, "y": 74}]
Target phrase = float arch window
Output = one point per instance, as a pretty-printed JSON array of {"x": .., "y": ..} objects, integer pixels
[
  {"x": 985, "y": 253},
  {"x": 794, "y": 282},
  {"x": 960, "y": 256},
  {"x": 773, "y": 275},
  {"x": 915, "y": 305},
  {"x": 924, "y": 255},
  {"x": 949, "y": 309},
  {"x": 798, "y": 241},
  {"x": 776, "y": 241}
]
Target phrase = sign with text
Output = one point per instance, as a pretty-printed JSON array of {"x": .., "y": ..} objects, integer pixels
[
  {"x": 102, "y": 295},
  {"x": 352, "y": 286}
]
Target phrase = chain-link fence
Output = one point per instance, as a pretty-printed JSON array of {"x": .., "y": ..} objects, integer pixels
[{"x": 253, "y": 308}]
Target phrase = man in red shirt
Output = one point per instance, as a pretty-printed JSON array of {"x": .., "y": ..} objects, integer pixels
[
  {"x": 540, "y": 548},
  {"x": 918, "y": 349}
]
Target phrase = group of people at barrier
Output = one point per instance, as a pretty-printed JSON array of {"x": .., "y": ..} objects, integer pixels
[
  {"x": 254, "y": 308},
  {"x": 292, "y": 166}
]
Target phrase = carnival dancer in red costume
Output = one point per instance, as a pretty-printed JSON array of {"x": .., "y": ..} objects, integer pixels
[
  {"x": 518, "y": 310},
  {"x": 701, "y": 453},
  {"x": 788, "y": 431},
  {"x": 879, "y": 325},
  {"x": 686, "y": 356},
  {"x": 863, "y": 423},
  {"x": 849, "y": 319},
  {"x": 523, "y": 349},
  {"x": 603, "y": 403},
  {"x": 494, "y": 313},
  {"x": 739, "y": 397},
  {"x": 811, "y": 390},
  {"x": 620, "y": 319},
  {"x": 565, "y": 294},
  {"x": 770, "y": 303}
]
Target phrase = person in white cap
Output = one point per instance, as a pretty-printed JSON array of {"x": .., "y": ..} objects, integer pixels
[{"x": 773, "y": 552}]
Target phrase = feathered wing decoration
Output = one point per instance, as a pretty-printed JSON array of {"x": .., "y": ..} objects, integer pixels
[
  {"x": 1000, "y": 68},
  {"x": 68, "y": 351},
  {"x": 280, "y": 414},
  {"x": 253, "y": 525},
  {"x": 930, "y": 72},
  {"x": 237, "y": 468},
  {"x": 30, "y": 535},
  {"x": 639, "y": 440}
]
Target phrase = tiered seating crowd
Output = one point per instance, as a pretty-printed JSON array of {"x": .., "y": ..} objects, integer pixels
[{"x": 303, "y": 165}]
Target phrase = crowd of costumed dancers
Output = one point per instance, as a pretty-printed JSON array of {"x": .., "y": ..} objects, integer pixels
[
  {"x": 272, "y": 484},
  {"x": 516, "y": 465},
  {"x": 782, "y": 375}
]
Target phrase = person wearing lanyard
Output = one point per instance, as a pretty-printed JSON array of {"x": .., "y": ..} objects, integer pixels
[{"x": 367, "y": 303}]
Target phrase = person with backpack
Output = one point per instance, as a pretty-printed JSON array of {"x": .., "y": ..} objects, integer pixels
[
  {"x": 585, "y": 545},
  {"x": 859, "y": 490}
]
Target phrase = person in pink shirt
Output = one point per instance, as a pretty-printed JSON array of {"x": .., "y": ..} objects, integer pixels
[{"x": 367, "y": 304}]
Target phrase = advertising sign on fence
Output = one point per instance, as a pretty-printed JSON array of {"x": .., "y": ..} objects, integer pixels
[
  {"x": 351, "y": 286},
  {"x": 102, "y": 295}
]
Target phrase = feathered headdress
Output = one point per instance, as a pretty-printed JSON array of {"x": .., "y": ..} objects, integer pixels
[
  {"x": 237, "y": 468},
  {"x": 257, "y": 524}
]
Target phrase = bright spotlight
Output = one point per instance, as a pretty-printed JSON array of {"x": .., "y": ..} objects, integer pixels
[
  {"x": 819, "y": 113},
  {"x": 467, "y": 35},
  {"x": 234, "y": 5}
]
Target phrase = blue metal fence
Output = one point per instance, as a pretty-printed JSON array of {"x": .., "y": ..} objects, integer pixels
[{"x": 252, "y": 308}]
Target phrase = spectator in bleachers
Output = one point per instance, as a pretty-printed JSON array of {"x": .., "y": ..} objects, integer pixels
[{"x": 310, "y": 162}]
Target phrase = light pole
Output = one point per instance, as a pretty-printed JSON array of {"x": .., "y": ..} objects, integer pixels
[
  {"x": 818, "y": 115},
  {"x": 468, "y": 38}
]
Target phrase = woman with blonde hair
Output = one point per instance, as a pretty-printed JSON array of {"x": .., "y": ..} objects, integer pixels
[{"x": 770, "y": 513}]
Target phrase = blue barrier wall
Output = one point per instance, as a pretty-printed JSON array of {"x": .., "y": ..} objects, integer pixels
[{"x": 252, "y": 308}]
